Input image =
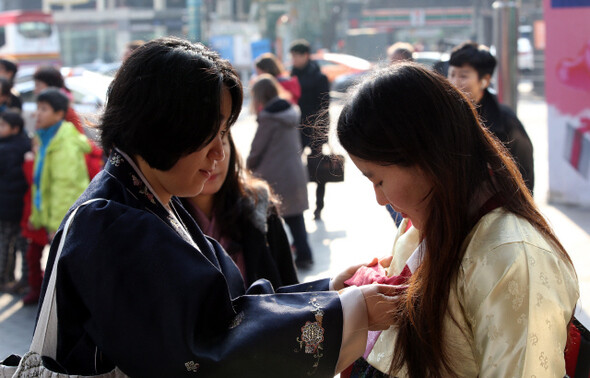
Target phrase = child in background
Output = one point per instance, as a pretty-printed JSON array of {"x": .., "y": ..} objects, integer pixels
[
  {"x": 60, "y": 174},
  {"x": 13, "y": 146},
  {"x": 49, "y": 76},
  {"x": 36, "y": 239}
]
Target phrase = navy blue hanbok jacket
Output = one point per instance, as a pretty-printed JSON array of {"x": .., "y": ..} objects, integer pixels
[{"x": 132, "y": 292}]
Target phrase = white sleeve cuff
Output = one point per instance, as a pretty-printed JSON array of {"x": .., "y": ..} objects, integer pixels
[{"x": 355, "y": 326}]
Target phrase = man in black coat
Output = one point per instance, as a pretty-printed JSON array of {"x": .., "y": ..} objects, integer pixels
[
  {"x": 314, "y": 104},
  {"x": 471, "y": 67}
]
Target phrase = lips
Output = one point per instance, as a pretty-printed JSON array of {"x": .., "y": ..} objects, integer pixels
[{"x": 205, "y": 173}]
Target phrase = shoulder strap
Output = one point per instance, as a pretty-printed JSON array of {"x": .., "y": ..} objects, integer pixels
[{"x": 45, "y": 336}]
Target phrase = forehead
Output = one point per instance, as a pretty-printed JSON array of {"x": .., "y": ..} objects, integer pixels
[{"x": 465, "y": 69}]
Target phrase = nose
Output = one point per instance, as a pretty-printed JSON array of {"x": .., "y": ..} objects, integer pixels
[
  {"x": 216, "y": 152},
  {"x": 381, "y": 199}
]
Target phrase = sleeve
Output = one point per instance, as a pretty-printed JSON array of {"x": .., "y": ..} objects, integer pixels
[
  {"x": 147, "y": 295},
  {"x": 281, "y": 249},
  {"x": 68, "y": 179},
  {"x": 259, "y": 145},
  {"x": 518, "y": 301},
  {"x": 521, "y": 148}
]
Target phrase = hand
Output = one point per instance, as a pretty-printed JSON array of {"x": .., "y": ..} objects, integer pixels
[
  {"x": 381, "y": 303},
  {"x": 338, "y": 281}
]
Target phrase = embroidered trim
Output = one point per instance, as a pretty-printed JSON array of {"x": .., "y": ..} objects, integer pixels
[
  {"x": 312, "y": 335},
  {"x": 192, "y": 366},
  {"x": 116, "y": 159},
  {"x": 237, "y": 320},
  {"x": 143, "y": 189}
]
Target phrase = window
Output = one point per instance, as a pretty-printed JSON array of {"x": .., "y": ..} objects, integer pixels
[
  {"x": 34, "y": 29},
  {"x": 2, "y": 36}
]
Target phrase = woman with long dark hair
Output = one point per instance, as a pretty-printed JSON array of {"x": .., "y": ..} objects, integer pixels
[{"x": 490, "y": 289}]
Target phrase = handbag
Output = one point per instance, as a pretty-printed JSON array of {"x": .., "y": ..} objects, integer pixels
[
  {"x": 44, "y": 343},
  {"x": 577, "y": 351},
  {"x": 325, "y": 168}
]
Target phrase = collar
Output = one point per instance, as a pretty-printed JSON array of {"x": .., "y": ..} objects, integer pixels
[
  {"x": 45, "y": 135},
  {"x": 124, "y": 169}
]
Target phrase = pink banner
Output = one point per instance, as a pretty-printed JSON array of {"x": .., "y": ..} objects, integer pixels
[{"x": 567, "y": 88}]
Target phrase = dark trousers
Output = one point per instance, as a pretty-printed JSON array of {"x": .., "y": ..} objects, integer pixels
[
  {"x": 296, "y": 225},
  {"x": 11, "y": 241},
  {"x": 34, "y": 254},
  {"x": 316, "y": 146}
]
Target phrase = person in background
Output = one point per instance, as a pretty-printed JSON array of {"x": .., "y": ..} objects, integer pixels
[
  {"x": 241, "y": 213},
  {"x": 314, "y": 104},
  {"x": 487, "y": 289},
  {"x": 50, "y": 77},
  {"x": 14, "y": 143},
  {"x": 130, "y": 47},
  {"x": 8, "y": 70},
  {"x": 471, "y": 67},
  {"x": 270, "y": 64},
  {"x": 36, "y": 238},
  {"x": 275, "y": 157},
  {"x": 400, "y": 51},
  {"x": 5, "y": 94},
  {"x": 60, "y": 173},
  {"x": 138, "y": 282}
]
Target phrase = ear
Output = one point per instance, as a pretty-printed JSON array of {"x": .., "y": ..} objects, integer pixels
[{"x": 485, "y": 81}]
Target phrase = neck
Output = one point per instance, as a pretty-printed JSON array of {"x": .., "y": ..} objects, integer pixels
[{"x": 204, "y": 202}]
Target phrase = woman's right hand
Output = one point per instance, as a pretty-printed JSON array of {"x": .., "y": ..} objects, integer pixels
[{"x": 380, "y": 301}]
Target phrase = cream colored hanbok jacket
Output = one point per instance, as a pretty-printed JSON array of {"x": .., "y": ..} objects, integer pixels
[{"x": 513, "y": 298}]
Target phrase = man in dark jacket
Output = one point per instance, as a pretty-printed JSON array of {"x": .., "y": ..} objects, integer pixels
[
  {"x": 470, "y": 69},
  {"x": 314, "y": 104}
]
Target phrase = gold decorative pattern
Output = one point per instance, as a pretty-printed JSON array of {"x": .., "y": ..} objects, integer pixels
[{"x": 312, "y": 335}]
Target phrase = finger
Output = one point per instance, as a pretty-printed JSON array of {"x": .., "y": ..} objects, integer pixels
[
  {"x": 373, "y": 262},
  {"x": 390, "y": 290},
  {"x": 386, "y": 261}
]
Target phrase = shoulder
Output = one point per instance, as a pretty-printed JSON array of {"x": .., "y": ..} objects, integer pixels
[
  {"x": 69, "y": 136},
  {"x": 500, "y": 228},
  {"x": 260, "y": 202},
  {"x": 503, "y": 245}
]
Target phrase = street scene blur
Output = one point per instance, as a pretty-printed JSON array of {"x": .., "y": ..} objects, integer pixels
[{"x": 528, "y": 79}]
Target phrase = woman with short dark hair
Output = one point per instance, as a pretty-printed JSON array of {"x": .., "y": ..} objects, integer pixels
[
  {"x": 491, "y": 290},
  {"x": 141, "y": 288}
]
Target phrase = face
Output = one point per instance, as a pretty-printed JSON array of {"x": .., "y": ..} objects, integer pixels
[
  {"x": 406, "y": 189},
  {"x": 188, "y": 176},
  {"x": 46, "y": 116},
  {"x": 214, "y": 183},
  {"x": 467, "y": 80},
  {"x": 6, "y": 130},
  {"x": 5, "y": 73},
  {"x": 40, "y": 86},
  {"x": 299, "y": 60}
]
